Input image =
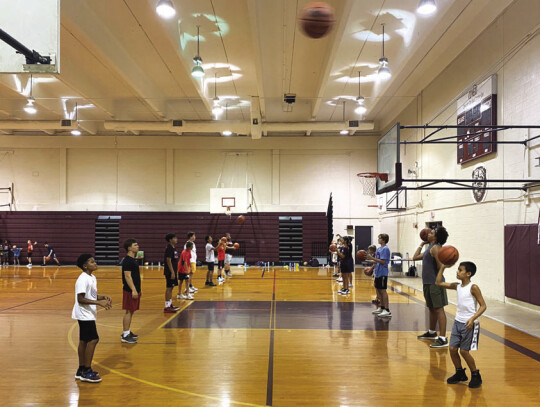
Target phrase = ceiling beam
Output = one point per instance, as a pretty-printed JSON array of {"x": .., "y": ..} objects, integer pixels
[{"x": 257, "y": 57}]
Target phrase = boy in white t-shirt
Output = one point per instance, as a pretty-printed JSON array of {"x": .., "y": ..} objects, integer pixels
[
  {"x": 193, "y": 266},
  {"x": 85, "y": 311},
  {"x": 210, "y": 260}
]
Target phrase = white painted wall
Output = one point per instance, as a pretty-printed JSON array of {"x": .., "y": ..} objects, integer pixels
[{"x": 507, "y": 49}]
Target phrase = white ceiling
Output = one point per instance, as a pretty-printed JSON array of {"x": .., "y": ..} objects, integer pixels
[{"x": 121, "y": 64}]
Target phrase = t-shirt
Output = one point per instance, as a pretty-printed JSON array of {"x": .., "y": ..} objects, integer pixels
[
  {"x": 30, "y": 247},
  {"x": 429, "y": 267},
  {"x": 221, "y": 253},
  {"x": 50, "y": 250},
  {"x": 193, "y": 253},
  {"x": 185, "y": 260},
  {"x": 86, "y": 284},
  {"x": 17, "y": 252},
  {"x": 130, "y": 264},
  {"x": 210, "y": 257},
  {"x": 382, "y": 253},
  {"x": 171, "y": 253},
  {"x": 228, "y": 254},
  {"x": 347, "y": 263}
]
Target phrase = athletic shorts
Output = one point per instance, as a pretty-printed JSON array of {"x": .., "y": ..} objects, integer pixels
[
  {"x": 435, "y": 296},
  {"x": 171, "y": 283},
  {"x": 221, "y": 264},
  {"x": 129, "y": 303},
  {"x": 87, "y": 331},
  {"x": 463, "y": 338},
  {"x": 182, "y": 276},
  {"x": 228, "y": 259},
  {"x": 210, "y": 266},
  {"x": 193, "y": 267},
  {"x": 381, "y": 283}
]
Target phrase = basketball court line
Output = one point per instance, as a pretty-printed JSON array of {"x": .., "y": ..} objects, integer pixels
[
  {"x": 30, "y": 302},
  {"x": 270, "y": 376},
  {"x": 506, "y": 342}
]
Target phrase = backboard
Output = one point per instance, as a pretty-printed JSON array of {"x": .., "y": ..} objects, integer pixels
[
  {"x": 388, "y": 161},
  {"x": 30, "y": 32},
  {"x": 236, "y": 199}
]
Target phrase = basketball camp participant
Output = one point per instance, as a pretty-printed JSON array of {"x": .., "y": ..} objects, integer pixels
[
  {"x": 210, "y": 260},
  {"x": 184, "y": 268},
  {"x": 466, "y": 327},
  {"x": 85, "y": 311},
  {"x": 193, "y": 266},
  {"x": 382, "y": 258},
  {"x": 346, "y": 264},
  {"x": 434, "y": 295},
  {"x": 29, "y": 251},
  {"x": 228, "y": 255},
  {"x": 221, "y": 259},
  {"x": 169, "y": 271},
  {"x": 51, "y": 255},
  {"x": 372, "y": 250},
  {"x": 5, "y": 253},
  {"x": 131, "y": 281}
]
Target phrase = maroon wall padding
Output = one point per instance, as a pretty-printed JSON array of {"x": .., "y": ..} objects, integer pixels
[
  {"x": 72, "y": 233},
  {"x": 521, "y": 263}
]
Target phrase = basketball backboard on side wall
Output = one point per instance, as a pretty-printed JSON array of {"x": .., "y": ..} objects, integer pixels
[
  {"x": 388, "y": 162},
  {"x": 29, "y": 36}
]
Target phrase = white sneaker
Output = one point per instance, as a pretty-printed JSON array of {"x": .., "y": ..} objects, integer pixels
[
  {"x": 385, "y": 313},
  {"x": 378, "y": 310},
  {"x": 181, "y": 296},
  {"x": 189, "y": 297},
  {"x": 193, "y": 290},
  {"x": 339, "y": 279},
  {"x": 29, "y": 266}
]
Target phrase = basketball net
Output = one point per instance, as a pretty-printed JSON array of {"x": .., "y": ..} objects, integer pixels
[
  {"x": 369, "y": 181},
  {"x": 228, "y": 211}
]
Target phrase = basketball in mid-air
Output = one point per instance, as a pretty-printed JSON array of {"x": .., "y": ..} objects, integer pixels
[
  {"x": 448, "y": 255},
  {"x": 424, "y": 234},
  {"x": 241, "y": 219},
  {"x": 236, "y": 245},
  {"x": 316, "y": 19},
  {"x": 361, "y": 255}
]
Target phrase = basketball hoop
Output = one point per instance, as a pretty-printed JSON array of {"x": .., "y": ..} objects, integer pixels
[
  {"x": 228, "y": 211},
  {"x": 369, "y": 181}
]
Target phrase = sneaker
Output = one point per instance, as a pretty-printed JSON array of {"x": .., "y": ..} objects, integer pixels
[
  {"x": 170, "y": 310},
  {"x": 340, "y": 279},
  {"x": 189, "y": 297},
  {"x": 181, "y": 296},
  {"x": 174, "y": 308},
  {"x": 90, "y": 376},
  {"x": 206, "y": 283},
  {"x": 378, "y": 310},
  {"x": 460, "y": 376},
  {"x": 439, "y": 343},
  {"x": 476, "y": 380},
  {"x": 335, "y": 275},
  {"x": 211, "y": 284},
  {"x": 343, "y": 292},
  {"x": 427, "y": 335},
  {"x": 384, "y": 313},
  {"x": 133, "y": 335},
  {"x": 228, "y": 274},
  {"x": 128, "y": 339},
  {"x": 29, "y": 266},
  {"x": 193, "y": 290},
  {"x": 79, "y": 374},
  {"x": 220, "y": 279}
]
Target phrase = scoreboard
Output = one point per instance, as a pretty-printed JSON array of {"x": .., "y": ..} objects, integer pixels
[{"x": 476, "y": 109}]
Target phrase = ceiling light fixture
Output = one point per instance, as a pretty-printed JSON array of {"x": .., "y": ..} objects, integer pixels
[
  {"x": 384, "y": 71},
  {"x": 361, "y": 109},
  {"x": 216, "y": 110},
  {"x": 197, "y": 71},
  {"x": 165, "y": 9},
  {"x": 76, "y": 132},
  {"x": 226, "y": 132},
  {"x": 426, "y": 7},
  {"x": 344, "y": 132},
  {"x": 29, "y": 108}
]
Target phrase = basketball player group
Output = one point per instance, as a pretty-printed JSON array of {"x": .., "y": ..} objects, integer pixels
[{"x": 436, "y": 258}]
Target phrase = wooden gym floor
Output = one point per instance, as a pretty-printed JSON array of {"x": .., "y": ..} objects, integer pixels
[{"x": 284, "y": 339}]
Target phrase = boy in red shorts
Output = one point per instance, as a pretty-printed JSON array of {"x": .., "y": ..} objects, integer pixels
[
  {"x": 131, "y": 279},
  {"x": 184, "y": 267}
]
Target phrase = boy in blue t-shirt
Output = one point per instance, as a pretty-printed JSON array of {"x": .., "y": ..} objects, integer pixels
[
  {"x": 382, "y": 258},
  {"x": 16, "y": 254}
]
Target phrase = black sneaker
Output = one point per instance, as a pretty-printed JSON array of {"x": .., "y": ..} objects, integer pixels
[
  {"x": 439, "y": 343},
  {"x": 460, "y": 376},
  {"x": 79, "y": 374},
  {"x": 128, "y": 339},
  {"x": 207, "y": 283},
  {"x": 476, "y": 380},
  {"x": 211, "y": 284},
  {"x": 427, "y": 335},
  {"x": 133, "y": 335},
  {"x": 335, "y": 275},
  {"x": 90, "y": 376}
]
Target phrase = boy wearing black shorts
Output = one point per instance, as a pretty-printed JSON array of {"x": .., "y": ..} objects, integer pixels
[
  {"x": 171, "y": 281},
  {"x": 184, "y": 267},
  {"x": 131, "y": 290},
  {"x": 85, "y": 311}
]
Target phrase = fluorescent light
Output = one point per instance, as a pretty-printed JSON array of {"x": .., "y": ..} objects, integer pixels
[
  {"x": 344, "y": 132},
  {"x": 165, "y": 9},
  {"x": 29, "y": 108},
  {"x": 226, "y": 132},
  {"x": 426, "y": 7},
  {"x": 76, "y": 132}
]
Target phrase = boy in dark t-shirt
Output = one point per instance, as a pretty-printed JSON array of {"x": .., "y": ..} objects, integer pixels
[
  {"x": 169, "y": 262},
  {"x": 131, "y": 280}
]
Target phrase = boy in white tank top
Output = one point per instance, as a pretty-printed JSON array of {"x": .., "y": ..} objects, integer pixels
[{"x": 466, "y": 327}]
